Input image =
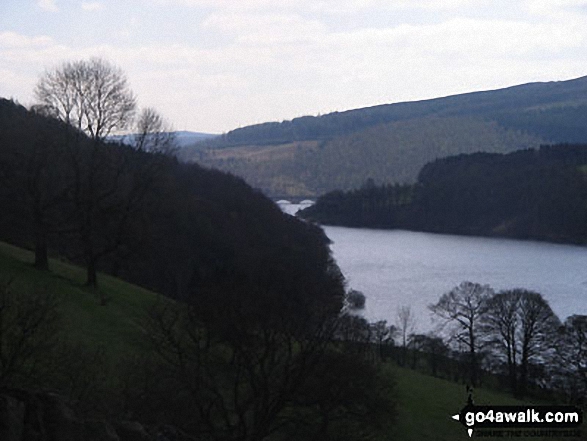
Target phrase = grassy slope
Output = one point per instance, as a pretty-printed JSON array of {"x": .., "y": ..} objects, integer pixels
[
  {"x": 115, "y": 327},
  {"x": 425, "y": 405}
]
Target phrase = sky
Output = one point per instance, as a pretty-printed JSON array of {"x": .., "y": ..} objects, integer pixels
[{"x": 216, "y": 65}]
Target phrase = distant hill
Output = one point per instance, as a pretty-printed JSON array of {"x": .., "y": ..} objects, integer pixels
[
  {"x": 311, "y": 155},
  {"x": 183, "y": 138},
  {"x": 528, "y": 194}
]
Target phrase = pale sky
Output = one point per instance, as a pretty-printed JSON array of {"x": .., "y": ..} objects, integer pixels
[{"x": 215, "y": 65}]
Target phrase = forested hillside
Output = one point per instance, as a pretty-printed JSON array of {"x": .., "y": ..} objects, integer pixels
[
  {"x": 143, "y": 216},
  {"x": 309, "y": 156},
  {"x": 534, "y": 193},
  {"x": 238, "y": 340}
]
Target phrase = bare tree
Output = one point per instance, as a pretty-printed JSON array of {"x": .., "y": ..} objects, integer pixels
[
  {"x": 500, "y": 324},
  {"x": 153, "y": 133},
  {"x": 538, "y": 325},
  {"x": 572, "y": 351},
  {"x": 383, "y": 335},
  {"x": 521, "y": 326},
  {"x": 460, "y": 310},
  {"x": 406, "y": 324},
  {"x": 94, "y": 98}
]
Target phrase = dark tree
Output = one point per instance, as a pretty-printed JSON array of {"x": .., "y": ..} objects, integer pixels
[
  {"x": 460, "y": 311},
  {"x": 521, "y": 327},
  {"x": 538, "y": 326},
  {"x": 433, "y": 348},
  {"x": 406, "y": 323},
  {"x": 94, "y": 98},
  {"x": 501, "y": 324},
  {"x": 355, "y": 300},
  {"x": 153, "y": 134},
  {"x": 383, "y": 335},
  {"x": 571, "y": 350},
  {"x": 34, "y": 182},
  {"x": 243, "y": 359}
]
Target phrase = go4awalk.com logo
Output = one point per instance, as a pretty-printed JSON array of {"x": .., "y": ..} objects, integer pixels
[{"x": 516, "y": 421}]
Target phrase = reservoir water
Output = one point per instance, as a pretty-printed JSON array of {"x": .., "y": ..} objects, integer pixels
[{"x": 394, "y": 268}]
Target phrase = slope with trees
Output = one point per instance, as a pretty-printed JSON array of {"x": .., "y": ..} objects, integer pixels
[
  {"x": 245, "y": 349},
  {"x": 530, "y": 194},
  {"x": 390, "y": 143}
]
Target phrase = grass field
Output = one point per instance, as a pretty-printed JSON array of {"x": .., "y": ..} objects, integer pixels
[
  {"x": 426, "y": 404},
  {"x": 114, "y": 327}
]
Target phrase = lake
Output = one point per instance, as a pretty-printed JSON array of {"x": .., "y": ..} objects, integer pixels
[{"x": 394, "y": 268}]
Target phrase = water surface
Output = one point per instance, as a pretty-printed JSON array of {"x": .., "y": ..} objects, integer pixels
[{"x": 394, "y": 268}]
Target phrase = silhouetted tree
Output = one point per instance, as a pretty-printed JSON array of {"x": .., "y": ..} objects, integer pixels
[
  {"x": 433, "y": 348},
  {"x": 94, "y": 98},
  {"x": 501, "y": 324},
  {"x": 383, "y": 335},
  {"x": 34, "y": 183},
  {"x": 153, "y": 134},
  {"x": 244, "y": 348},
  {"x": 460, "y": 311},
  {"x": 355, "y": 300},
  {"x": 538, "y": 326},
  {"x": 406, "y": 323},
  {"x": 571, "y": 351}
]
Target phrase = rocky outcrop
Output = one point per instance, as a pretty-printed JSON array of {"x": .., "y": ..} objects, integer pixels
[{"x": 45, "y": 416}]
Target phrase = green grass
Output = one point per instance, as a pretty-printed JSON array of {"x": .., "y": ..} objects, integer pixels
[
  {"x": 115, "y": 327},
  {"x": 426, "y": 404}
]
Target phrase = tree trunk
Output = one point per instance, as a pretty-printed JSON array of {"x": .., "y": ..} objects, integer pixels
[
  {"x": 473, "y": 356},
  {"x": 521, "y": 387}
]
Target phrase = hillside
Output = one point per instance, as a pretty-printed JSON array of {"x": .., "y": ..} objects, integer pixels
[
  {"x": 245, "y": 344},
  {"x": 116, "y": 329},
  {"x": 424, "y": 402},
  {"x": 529, "y": 194},
  {"x": 309, "y": 156}
]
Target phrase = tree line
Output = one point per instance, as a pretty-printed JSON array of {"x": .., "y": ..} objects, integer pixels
[
  {"x": 529, "y": 194},
  {"x": 509, "y": 339},
  {"x": 514, "y": 333}
]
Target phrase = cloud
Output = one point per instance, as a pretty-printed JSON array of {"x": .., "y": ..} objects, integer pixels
[
  {"x": 14, "y": 40},
  {"x": 235, "y": 4},
  {"x": 332, "y": 6},
  {"x": 48, "y": 5},
  {"x": 92, "y": 6},
  {"x": 265, "y": 28},
  {"x": 259, "y": 60},
  {"x": 548, "y": 7}
]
